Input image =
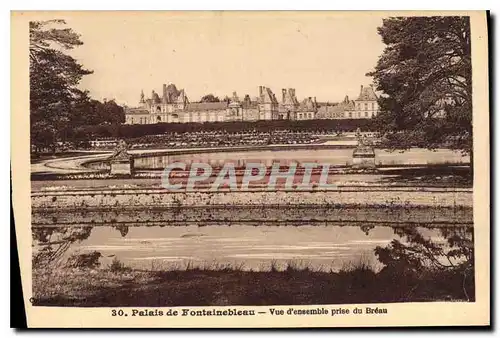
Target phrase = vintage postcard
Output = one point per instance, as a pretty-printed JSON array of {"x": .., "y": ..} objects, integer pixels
[{"x": 251, "y": 169}]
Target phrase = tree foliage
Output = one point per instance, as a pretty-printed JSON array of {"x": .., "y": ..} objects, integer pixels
[
  {"x": 425, "y": 76},
  {"x": 57, "y": 106},
  {"x": 54, "y": 76},
  {"x": 415, "y": 254},
  {"x": 210, "y": 98}
]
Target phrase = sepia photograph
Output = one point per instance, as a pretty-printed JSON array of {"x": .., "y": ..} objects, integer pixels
[{"x": 254, "y": 164}]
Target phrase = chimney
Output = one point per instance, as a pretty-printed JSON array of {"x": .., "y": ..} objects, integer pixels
[
  {"x": 164, "y": 97},
  {"x": 261, "y": 92}
]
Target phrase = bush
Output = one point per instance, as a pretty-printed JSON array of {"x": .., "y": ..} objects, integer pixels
[
  {"x": 84, "y": 261},
  {"x": 117, "y": 266}
]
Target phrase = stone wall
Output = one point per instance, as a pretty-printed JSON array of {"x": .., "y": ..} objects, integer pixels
[
  {"x": 160, "y": 198},
  {"x": 257, "y": 216}
]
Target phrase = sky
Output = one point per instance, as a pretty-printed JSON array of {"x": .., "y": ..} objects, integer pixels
[{"x": 321, "y": 54}]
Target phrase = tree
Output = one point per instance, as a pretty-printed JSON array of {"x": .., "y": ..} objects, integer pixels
[
  {"x": 54, "y": 77},
  {"x": 107, "y": 112},
  {"x": 415, "y": 254},
  {"x": 210, "y": 98},
  {"x": 112, "y": 113},
  {"x": 425, "y": 77},
  {"x": 88, "y": 112}
]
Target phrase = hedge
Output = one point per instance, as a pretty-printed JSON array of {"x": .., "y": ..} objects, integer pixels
[{"x": 138, "y": 130}]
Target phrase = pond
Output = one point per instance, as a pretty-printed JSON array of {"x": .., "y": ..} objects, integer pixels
[
  {"x": 337, "y": 157},
  {"x": 251, "y": 247}
]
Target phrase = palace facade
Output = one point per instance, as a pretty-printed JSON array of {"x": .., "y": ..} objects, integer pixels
[
  {"x": 364, "y": 107},
  {"x": 173, "y": 106}
]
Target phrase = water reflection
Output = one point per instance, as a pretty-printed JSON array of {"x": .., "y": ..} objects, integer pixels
[
  {"x": 50, "y": 245},
  {"x": 285, "y": 157},
  {"x": 257, "y": 216},
  {"x": 402, "y": 248}
]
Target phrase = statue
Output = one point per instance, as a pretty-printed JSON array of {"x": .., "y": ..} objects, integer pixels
[
  {"x": 121, "y": 162},
  {"x": 362, "y": 141},
  {"x": 120, "y": 151},
  {"x": 364, "y": 154}
]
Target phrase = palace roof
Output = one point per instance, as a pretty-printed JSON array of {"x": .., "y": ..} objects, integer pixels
[{"x": 367, "y": 94}]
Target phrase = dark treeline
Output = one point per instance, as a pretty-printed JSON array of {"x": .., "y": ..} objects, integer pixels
[{"x": 138, "y": 130}]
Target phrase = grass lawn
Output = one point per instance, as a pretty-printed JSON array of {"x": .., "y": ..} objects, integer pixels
[{"x": 122, "y": 286}]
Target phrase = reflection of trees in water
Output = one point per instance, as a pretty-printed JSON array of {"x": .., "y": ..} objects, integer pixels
[
  {"x": 366, "y": 229},
  {"x": 419, "y": 252},
  {"x": 123, "y": 229},
  {"x": 51, "y": 243},
  {"x": 447, "y": 260}
]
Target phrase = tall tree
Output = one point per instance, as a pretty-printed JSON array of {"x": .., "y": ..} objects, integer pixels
[
  {"x": 54, "y": 77},
  {"x": 425, "y": 76},
  {"x": 112, "y": 113}
]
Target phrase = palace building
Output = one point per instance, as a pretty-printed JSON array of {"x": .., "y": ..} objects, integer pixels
[
  {"x": 364, "y": 107},
  {"x": 174, "y": 106}
]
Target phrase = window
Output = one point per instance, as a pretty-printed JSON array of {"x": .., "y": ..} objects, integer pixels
[
  {"x": 366, "y": 106},
  {"x": 158, "y": 119},
  {"x": 132, "y": 120},
  {"x": 373, "y": 106},
  {"x": 366, "y": 114},
  {"x": 350, "y": 114}
]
